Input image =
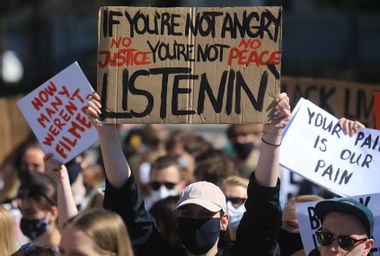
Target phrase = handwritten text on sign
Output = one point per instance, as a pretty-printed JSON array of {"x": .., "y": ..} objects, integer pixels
[
  {"x": 315, "y": 146},
  {"x": 56, "y": 112},
  {"x": 188, "y": 65},
  {"x": 309, "y": 222},
  {"x": 340, "y": 98}
]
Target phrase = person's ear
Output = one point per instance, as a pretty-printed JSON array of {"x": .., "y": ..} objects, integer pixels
[
  {"x": 54, "y": 213},
  {"x": 224, "y": 221},
  {"x": 368, "y": 245}
]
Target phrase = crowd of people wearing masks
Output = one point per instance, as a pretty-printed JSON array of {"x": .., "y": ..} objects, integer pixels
[{"x": 148, "y": 191}]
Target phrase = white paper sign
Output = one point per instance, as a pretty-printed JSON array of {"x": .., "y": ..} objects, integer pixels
[
  {"x": 56, "y": 113},
  {"x": 315, "y": 147},
  {"x": 309, "y": 223}
]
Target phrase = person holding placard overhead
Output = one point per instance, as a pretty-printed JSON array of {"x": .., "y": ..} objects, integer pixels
[
  {"x": 201, "y": 209},
  {"x": 347, "y": 227}
]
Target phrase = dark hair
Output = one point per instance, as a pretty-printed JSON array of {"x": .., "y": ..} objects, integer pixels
[
  {"x": 39, "y": 187},
  {"x": 214, "y": 166},
  {"x": 164, "y": 214},
  {"x": 31, "y": 249},
  {"x": 164, "y": 162}
]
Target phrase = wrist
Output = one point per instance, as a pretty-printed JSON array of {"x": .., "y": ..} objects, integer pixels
[{"x": 271, "y": 129}]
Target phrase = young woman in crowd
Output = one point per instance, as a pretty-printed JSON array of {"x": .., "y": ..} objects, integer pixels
[
  {"x": 37, "y": 201},
  {"x": 8, "y": 243},
  {"x": 93, "y": 232}
]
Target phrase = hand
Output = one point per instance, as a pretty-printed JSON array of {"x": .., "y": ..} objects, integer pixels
[
  {"x": 281, "y": 115},
  {"x": 282, "y": 110},
  {"x": 93, "y": 108},
  {"x": 56, "y": 170},
  {"x": 350, "y": 127}
]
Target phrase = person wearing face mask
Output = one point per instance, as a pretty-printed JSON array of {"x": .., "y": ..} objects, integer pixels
[
  {"x": 235, "y": 190},
  {"x": 201, "y": 209},
  {"x": 37, "y": 201},
  {"x": 165, "y": 180},
  {"x": 289, "y": 241},
  {"x": 245, "y": 141}
]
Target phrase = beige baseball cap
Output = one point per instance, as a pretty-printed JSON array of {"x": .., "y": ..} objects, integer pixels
[{"x": 204, "y": 194}]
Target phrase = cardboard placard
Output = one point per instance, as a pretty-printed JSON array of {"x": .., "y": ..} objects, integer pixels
[
  {"x": 315, "y": 146},
  {"x": 13, "y": 127},
  {"x": 309, "y": 223},
  {"x": 376, "y": 96},
  {"x": 188, "y": 65},
  {"x": 56, "y": 112},
  {"x": 340, "y": 98}
]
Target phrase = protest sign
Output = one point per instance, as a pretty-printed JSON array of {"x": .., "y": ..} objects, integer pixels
[
  {"x": 377, "y": 109},
  {"x": 309, "y": 223},
  {"x": 56, "y": 112},
  {"x": 13, "y": 127},
  {"x": 188, "y": 65},
  {"x": 339, "y": 98},
  {"x": 315, "y": 146}
]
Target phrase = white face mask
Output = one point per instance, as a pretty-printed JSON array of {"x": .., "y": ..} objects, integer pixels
[
  {"x": 235, "y": 214},
  {"x": 162, "y": 193}
]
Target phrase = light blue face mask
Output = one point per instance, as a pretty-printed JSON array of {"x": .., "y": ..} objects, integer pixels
[{"x": 235, "y": 215}]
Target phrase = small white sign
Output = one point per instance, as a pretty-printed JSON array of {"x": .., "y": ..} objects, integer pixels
[
  {"x": 56, "y": 112},
  {"x": 309, "y": 223},
  {"x": 315, "y": 147}
]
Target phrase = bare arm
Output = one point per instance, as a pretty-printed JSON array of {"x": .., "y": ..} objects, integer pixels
[
  {"x": 268, "y": 169},
  {"x": 66, "y": 203},
  {"x": 115, "y": 163}
]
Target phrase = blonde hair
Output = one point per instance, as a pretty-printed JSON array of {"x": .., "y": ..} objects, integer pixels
[
  {"x": 105, "y": 228},
  {"x": 236, "y": 181},
  {"x": 303, "y": 199},
  {"x": 8, "y": 243}
]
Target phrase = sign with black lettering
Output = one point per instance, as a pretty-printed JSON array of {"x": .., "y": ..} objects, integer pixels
[
  {"x": 315, "y": 146},
  {"x": 188, "y": 65},
  {"x": 340, "y": 98},
  {"x": 56, "y": 112},
  {"x": 308, "y": 222}
]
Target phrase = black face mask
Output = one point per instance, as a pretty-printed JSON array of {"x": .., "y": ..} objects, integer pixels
[
  {"x": 198, "y": 235},
  {"x": 289, "y": 242},
  {"x": 33, "y": 228},
  {"x": 243, "y": 149}
]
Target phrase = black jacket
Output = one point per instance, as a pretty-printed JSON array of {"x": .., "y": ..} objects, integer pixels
[{"x": 256, "y": 235}]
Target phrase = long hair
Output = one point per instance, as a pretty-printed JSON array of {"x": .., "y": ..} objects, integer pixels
[
  {"x": 105, "y": 228},
  {"x": 8, "y": 243}
]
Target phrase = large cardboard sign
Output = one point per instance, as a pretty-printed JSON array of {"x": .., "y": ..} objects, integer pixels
[
  {"x": 339, "y": 98},
  {"x": 188, "y": 65},
  {"x": 309, "y": 223},
  {"x": 56, "y": 112},
  {"x": 315, "y": 147}
]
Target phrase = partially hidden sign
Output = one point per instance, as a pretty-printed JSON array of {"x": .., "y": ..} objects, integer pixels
[
  {"x": 315, "y": 146},
  {"x": 188, "y": 65},
  {"x": 339, "y": 98},
  {"x": 376, "y": 96},
  {"x": 56, "y": 112},
  {"x": 308, "y": 222}
]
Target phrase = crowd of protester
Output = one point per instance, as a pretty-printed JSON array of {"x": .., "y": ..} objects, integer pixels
[{"x": 146, "y": 191}]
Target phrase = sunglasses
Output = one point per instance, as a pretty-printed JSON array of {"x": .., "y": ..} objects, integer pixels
[
  {"x": 236, "y": 201},
  {"x": 347, "y": 243},
  {"x": 156, "y": 185}
]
